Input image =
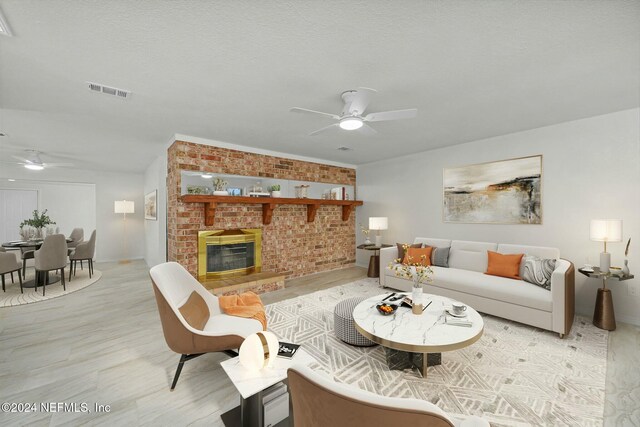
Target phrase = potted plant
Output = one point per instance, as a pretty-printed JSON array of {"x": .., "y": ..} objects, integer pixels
[
  {"x": 275, "y": 190},
  {"x": 219, "y": 187},
  {"x": 365, "y": 232},
  {"x": 39, "y": 222}
]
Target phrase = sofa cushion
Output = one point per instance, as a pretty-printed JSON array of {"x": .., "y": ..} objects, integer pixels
[
  {"x": 539, "y": 251},
  {"x": 537, "y": 271},
  {"x": 402, "y": 250},
  {"x": 470, "y": 255},
  {"x": 504, "y": 265},
  {"x": 498, "y": 288},
  {"x": 440, "y": 257},
  {"x": 195, "y": 311},
  {"x": 436, "y": 243},
  {"x": 418, "y": 256}
]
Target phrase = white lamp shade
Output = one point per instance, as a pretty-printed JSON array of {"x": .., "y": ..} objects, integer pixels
[
  {"x": 606, "y": 230},
  {"x": 123, "y": 206},
  {"x": 259, "y": 350},
  {"x": 378, "y": 223}
]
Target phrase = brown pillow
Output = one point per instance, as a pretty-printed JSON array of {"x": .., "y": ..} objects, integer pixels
[
  {"x": 415, "y": 256},
  {"x": 195, "y": 311},
  {"x": 504, "y": 265},
  {"x": 401, "y": 250}
]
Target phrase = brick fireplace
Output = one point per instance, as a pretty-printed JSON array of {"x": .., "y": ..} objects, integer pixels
[{"x": 291, "y": 245}]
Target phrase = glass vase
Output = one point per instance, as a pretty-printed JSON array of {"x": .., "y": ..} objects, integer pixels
[{"x": 416, "y": 292}]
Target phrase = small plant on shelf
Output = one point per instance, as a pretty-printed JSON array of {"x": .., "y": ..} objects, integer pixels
[
  {"x": 275, "y": 190},
  {"x": 220, "y": 184}
]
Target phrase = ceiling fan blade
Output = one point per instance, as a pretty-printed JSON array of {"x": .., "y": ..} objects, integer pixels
[
  {"x": 58, "y": 165},
  {"x": 324, "y": 129},
  {"x": 360, "y": 101},
  {"x": 367, "y": 130},
  {"x": 22, "y": 159},
  {"x": 391, "y": 115},
  {"x": 305, "y": 110}
]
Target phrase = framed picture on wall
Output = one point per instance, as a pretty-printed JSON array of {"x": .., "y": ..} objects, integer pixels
[
  {"x": 500, "y": 192},
  {"x": 150, "y": 206}
]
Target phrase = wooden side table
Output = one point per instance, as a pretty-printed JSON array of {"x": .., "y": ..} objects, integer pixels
[
  {"x": 374, "y": 261},
  {"x": 603, "y": 315}
]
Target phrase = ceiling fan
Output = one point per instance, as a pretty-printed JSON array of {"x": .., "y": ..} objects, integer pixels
[
  {"x": 352, "y": 116},
  {"x": 32, "y": 160}
]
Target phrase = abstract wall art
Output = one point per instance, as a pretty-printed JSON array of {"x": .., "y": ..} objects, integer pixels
[
  {"x": 500, "y": 192},
  {"x": 150, "y": 205}
]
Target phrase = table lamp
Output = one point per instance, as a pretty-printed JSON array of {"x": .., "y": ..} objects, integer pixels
[
  {"x": 124, "y": 207},
  {"x": 606, "y": 230},
  {"x": 378, "y": 223}
]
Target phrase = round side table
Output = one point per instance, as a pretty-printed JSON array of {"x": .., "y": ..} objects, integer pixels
[
  {"x": 374, "y": 261},
  {"x": 603, "y": 315}
]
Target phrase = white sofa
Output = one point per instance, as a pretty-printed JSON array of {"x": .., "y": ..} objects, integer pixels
[{"x": 512, "y": 299}]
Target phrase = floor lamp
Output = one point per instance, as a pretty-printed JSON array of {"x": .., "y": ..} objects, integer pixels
[{"x": 124, "y": 207}]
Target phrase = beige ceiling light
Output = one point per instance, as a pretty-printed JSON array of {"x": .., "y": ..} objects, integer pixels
[{"x": 4, "y": 27}]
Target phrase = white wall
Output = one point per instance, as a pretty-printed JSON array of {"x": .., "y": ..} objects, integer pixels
[
  {"x": 591, "y": 169},
  {"x": 155, "y": 178},
  {"x": 69, "y": 204},
  {"x": 109, "y": 186}
]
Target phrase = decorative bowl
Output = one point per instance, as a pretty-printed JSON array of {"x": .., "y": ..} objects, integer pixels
[{"x": 386, "y": 308}]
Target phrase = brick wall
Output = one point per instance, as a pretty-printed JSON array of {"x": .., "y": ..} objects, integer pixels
[{"x": 289, "y": 244}]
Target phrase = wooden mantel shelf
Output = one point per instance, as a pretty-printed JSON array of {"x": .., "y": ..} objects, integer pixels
[{"x": 268, "y": 205}]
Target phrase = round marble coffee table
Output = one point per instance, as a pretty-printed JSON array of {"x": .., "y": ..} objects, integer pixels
[{"x": 416, "y": 340}]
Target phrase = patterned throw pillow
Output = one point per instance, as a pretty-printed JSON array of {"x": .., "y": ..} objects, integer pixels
[
  {"x": 537, "y": 271},
  {"x": 440, "y": 257}
]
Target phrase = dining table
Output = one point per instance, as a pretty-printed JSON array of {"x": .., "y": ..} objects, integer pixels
[{"x": 39, "y": 279}]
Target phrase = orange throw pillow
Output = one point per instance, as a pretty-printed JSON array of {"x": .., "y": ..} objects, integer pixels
[
  {"x": 415, "y": 256},
  {"x": 504, "y": 265}
]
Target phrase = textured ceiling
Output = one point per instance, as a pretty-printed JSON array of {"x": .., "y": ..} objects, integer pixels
[{"x": 230, "y": 71}]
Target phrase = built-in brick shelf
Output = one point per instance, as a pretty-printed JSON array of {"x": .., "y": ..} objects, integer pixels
[
  {"x": 268, "y": 205},
  {"x": 256, "y": 282}
]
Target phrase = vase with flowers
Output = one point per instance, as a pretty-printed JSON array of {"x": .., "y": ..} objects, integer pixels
[
  {"x": 32, "y": 228},
  {"x": 415, "y": 270},
  {"x": 625, "y": 269},
  {"x": 365, "y": 232}
]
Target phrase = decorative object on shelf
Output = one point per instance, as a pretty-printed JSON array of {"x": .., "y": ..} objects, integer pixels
[
  {"x": 605, "y": 230},
  {"x": 275, "y": 190},
  {"x": 38, "y": 224},
  {"x": 378, "y": 223},
  {"x": 625, "y": 269},
  {"x": 501, "y": 192},
  {"x": 259, "y": 350},
  {"x": 198, "y": 189},
  {"x": 150, "y": 205},
  {"x": 219, "y": 187},
  {"x": 366, "y": 232},
  {"x": 234, "y": 191},
  {"x": 124, "y": 207},
  {"x": 301, "y": 191},
  {"x": 414, "y": 270}
]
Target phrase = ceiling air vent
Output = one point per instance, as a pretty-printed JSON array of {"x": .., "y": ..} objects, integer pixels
[
  {"x": 344, "y": 148},
  {"x": 108, "y": 90}
]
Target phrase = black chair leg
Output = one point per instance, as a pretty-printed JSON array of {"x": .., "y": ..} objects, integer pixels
[
  {"x": 46, "y": 281},
  {"x": 20, "y": 280},
  {"x": 12, "y": 277},
  {"x": 89, "y": 267},
  {"x": 81, "y": 266},
  {"x": 24, "y": 267},
  {"x": 183, "y": 358},
  {"x": 3, "y": 289},
  {"x": 70, "y": 269},
  {"x": 64, "y": 287}
]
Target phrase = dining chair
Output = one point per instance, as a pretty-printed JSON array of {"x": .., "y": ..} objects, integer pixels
[
  {"x": 85, "y": 251},
  {"x": 192, "y": 321},
  {"x": 26, "y": 253},
  {"x": 9, "y": 264},
  {"x": 76, "y": 237},
  {"x": 52, "y": 255}
]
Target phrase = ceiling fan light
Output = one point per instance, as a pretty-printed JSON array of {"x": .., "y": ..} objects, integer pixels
[
  {"x": 34, "y": 167},
  {"x": 351, "y": 123}
]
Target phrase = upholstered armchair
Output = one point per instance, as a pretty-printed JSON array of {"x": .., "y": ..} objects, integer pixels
[
  {"x": 52, "y": 255},
  {"x": 9, "y": 264},
  {"x": 319, "y": 401},
  {"x": 76, "y": 236},
  {"x": 192, "y": 321},
  {"x": 84, "y": 251}
]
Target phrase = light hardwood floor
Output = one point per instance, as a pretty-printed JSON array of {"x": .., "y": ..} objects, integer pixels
[{"x": 104, "y": 345}]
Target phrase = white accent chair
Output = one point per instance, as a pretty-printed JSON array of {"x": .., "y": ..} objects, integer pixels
[
  {"x": 192, "y": 321},
  {"x": 318, "y": 402}
]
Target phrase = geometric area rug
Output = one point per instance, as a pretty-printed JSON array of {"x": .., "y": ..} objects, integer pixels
[{"x": 515, "y": 375}]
